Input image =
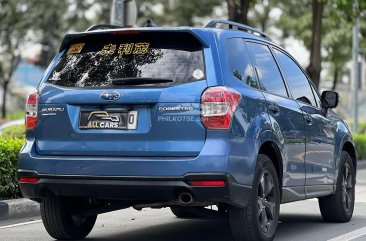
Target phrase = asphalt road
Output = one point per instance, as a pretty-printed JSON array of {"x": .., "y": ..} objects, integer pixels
[{"x": 300, "y": 221}]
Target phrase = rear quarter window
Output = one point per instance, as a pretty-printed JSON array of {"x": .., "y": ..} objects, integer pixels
[
  {"x": 267, "y": 70},
  {"x": 239, "y": 62}
]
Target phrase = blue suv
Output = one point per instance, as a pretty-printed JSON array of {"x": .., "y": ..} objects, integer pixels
[{"x": 185, "y": 118}]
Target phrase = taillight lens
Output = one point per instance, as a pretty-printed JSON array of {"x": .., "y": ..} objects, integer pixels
[
  {"x": 31, "y": 108},
  {"x": 218, "y": 105}
]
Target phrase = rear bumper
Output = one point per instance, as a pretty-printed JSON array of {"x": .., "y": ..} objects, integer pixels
[{"x": 136, "y": 189}]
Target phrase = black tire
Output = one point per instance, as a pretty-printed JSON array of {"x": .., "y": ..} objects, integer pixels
[
  {"x": 185, "y": 212},
  {"x": 61, "y": 222},
  {"x": 339, "y": 206},
  {"x": 248, "y": 224}
]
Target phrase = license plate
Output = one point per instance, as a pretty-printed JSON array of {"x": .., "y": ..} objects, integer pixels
[{"x": 117, "y": 120}]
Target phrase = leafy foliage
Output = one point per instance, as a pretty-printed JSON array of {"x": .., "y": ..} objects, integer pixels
[
  {"x": 238, "y": 10},
  {"x": 11, "y": 141},
  {"x": 336, "y": 34},
  {"x": 175, "y": 12},
  {"x": 17, "y": 132},
  {"x": 13, "y": 32},
  {"x": 9, "y": 149},
  {"x": 27, "y": 22},
  {"x": 362, "y": 128},
  {"x": 296, "y": 20},
  {"x": 15, "y": 115},
  {"x": 360, "y": 143},
  {"x": 51, "y": 23}
]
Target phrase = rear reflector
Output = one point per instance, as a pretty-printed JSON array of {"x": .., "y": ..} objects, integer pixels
[
  {"x": 207, "y": 183},
  {"x": 29, "y": 179}
]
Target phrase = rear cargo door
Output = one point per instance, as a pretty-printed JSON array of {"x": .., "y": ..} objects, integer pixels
[{"x": 126, "y": 93}]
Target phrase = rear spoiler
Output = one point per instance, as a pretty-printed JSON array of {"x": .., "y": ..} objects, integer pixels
[{"x": 113, "y": 29}]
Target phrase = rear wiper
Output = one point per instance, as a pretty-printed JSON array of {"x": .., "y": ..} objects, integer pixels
[{"x": 139, "y": 81}]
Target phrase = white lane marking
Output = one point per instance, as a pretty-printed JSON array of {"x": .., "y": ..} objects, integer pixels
[
  {"x": 20, "y": 224},
  {"x": 351, "y": 235}
]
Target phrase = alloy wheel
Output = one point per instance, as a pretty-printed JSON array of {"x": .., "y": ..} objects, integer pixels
[
  {"x": 266, "y": 202},
  {"x": 347, "y": 187}
]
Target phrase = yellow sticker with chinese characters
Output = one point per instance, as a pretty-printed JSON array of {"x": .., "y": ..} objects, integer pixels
[
  {"x": 133, "y": 48},
  {"x": 125, "y": 49},
  {"x": 75, "y": 48},
  {"x": 141, "y": 48},
  {"x": 108, "y": 49}
]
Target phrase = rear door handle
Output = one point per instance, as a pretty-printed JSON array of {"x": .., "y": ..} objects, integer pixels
[
  {"x": 308, "y": 119},
  {"x": 274, "y": 108}
]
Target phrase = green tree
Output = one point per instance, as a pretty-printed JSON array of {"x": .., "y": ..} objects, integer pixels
[
  {"x": 175, "y": 12},
  {"x": 315, "y": 20},
  {"x": 26, "y": 22},
  {"x": 261, "y": 17},
  {"x": 14, "y": 29},
  {"x": 314, "y": 68},
  {"x": 238, "y": 10},
  {"x": 337, "y": 42},
  {"x": 303, "y": 19},
  {"x": 51, "y": 22}
]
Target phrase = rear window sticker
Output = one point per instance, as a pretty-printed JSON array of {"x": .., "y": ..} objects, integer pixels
[
  {"x": 55, "y": 76},
  {"x": 125, "y": 49},
  {"x": 198, "y": 74},
  {"x": 141, "y": 48},
  {"x": 108, "y": 49},
  {"x": 75, "y": 48}
]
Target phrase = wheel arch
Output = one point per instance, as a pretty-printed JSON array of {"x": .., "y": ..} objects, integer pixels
[
  {"x": 347, "y": 146},
  {"x": 270, "y": 149},
  {"x": 351, "y": 150}
]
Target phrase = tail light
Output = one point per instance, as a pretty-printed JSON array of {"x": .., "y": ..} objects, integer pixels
[
  {"x": 218, "y": 105},
  {"x": 31, "y": 109}
]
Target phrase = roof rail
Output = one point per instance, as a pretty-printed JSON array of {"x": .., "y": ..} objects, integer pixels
[
  {"x": 102, "y": 26},
  {"x": 237, "y": 26},
  {"x": 150, "y": 23}
]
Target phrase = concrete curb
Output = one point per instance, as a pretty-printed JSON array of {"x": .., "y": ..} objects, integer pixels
[{"x": 18, "y": 208}]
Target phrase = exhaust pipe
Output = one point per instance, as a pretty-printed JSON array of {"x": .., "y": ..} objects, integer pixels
[{"x": 185, "y": 198}]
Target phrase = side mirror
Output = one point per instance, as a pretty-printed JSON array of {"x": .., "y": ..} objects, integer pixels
[{"x": 329, "y": 99}]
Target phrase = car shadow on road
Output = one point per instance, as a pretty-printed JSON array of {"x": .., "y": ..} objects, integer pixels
[
  {"x": 312, "y": 227},
  {"x": 292, "y": 226},
  {"x": 298, "y": 227},
  {"x": 180, "y": 230},
  {"x": 210, "y": 230}
]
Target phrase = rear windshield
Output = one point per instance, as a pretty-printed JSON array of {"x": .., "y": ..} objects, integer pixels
[{"x": 95, "y": 60}]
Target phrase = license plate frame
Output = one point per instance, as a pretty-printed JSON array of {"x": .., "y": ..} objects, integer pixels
[{"x": 107, "y": 120}]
